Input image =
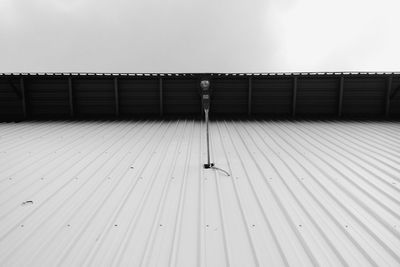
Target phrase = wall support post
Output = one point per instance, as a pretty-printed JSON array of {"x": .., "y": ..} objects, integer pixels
[
  {"x": 294, "y": 100},
  {"x": 23, "y": 96},
  {"x": 388, "y": 92},
  {"x": 250, "y": 95},
  {"x": 161, "y": 96},
  {"x": 340, "y": 99},
  {"x": 71, "y": 98},
  {"x": 116, "y": 96}
]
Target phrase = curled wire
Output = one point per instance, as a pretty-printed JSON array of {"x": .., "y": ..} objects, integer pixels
[{"x": 222, "y": 170}]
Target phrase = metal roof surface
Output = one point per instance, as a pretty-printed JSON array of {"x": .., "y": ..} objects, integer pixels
[{"x": 131, "y": 193}]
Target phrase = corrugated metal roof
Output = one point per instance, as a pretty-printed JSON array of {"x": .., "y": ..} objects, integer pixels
[{"x": 134, "y": 193}]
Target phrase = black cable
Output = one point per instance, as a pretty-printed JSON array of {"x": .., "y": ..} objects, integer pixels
[{"x": 219, "y": 169}]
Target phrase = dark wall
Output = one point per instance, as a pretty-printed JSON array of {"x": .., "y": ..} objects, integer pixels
[
  {"x": 47, "y": 96},
  {"x": 10, "y": 98},
  {"x": 317, "y": 96},
  {"x": 65, "y": 96},
  {"x": 138, "y": 95},
  {"x": 394, "y": 109},
  {"x": 93, "y": 96},
  {"x": 229, "y": 95},
  {"x": 180, "y": 96},
  {"x": 364, "y": 95},
  {"x": 272, "y": 95}
]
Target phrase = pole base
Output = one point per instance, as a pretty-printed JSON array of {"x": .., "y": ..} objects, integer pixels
[{"x": 208, "y": 166}]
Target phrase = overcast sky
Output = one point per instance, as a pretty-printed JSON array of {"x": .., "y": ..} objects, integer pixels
[{"x": 199, "y": 35}]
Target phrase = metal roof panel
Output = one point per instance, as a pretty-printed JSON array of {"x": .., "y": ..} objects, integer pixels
[{"x": 133, "y": 193}]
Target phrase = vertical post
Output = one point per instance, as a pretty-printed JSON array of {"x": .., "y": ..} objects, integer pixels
[
  {"x": 208, "y": 139},
  {"x": 161, "y": 95},
  {"x": 294, "y": 96},
  {"x": 250, "y": 96},
  {"x": 116, "y": 96},
  {"x": 205, "y": 99},
  {"x": 340, "y": 100},
  {"x": 71, "y": 99},
  {"x": 23, "y": 96},
  {"x": 388, "y": 91}
]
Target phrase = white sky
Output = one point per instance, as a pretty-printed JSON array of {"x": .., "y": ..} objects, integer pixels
[{"x": 199, "y": 36}]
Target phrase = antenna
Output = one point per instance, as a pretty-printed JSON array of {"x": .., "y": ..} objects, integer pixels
[{"x": 206, "y": 99}]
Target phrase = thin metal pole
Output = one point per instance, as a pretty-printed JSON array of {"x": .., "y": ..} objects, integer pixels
[{"x": 208, "y": 139}]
